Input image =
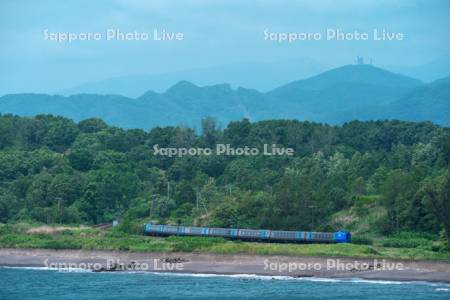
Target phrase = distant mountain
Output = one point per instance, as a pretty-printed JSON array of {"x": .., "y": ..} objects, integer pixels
[
  {"x": 115, "y": 109},
  {"x": 336, "y": 96},
  {"x": 429, "y": 72},
  {"x": 344, "y": 88},
  {"x": 252, "y": 75},
  {"x": 189, "y": 103},
  {"x": 359, "y": 74},
  {"x": 182, "y": 104},
  {"x": 428, "y": 103}
]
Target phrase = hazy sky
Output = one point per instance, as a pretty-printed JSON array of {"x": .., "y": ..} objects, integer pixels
[{"x": 215, "y": 33}]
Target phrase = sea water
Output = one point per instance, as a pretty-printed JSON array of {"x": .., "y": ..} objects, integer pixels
[{"x": 40, "y": 283}]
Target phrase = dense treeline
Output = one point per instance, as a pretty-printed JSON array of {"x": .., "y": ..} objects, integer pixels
[{"x": 55, "y": 170}]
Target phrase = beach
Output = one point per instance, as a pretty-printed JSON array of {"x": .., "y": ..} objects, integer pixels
[{"x": 202, "y": 263}]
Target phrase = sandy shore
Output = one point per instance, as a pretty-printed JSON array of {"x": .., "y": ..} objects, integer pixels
[{"x": 201, "y": 263}]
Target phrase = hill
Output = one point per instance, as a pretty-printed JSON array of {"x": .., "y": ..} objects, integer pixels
[
  {"x": 344, "y": 88},
  {"x": 351, "y": 92},
  {"x": 357, "y": 74},
  {"x": 430, "y": 102},
  {"x": 182, "y": 104},
  {"x": 356, "y": 177}
]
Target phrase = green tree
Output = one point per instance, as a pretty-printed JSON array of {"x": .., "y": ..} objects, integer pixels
[
  {"x": 436, "y": 196},
  {"x": 92, "y": 125}
]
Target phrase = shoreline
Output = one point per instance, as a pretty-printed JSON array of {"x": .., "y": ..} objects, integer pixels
[{"x": 236, "y": 264}]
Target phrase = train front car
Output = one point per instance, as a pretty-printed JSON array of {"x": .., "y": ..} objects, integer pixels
[{"x": 342, "y": 237}]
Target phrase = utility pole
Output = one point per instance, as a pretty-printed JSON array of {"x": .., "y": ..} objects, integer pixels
[
  {"x": 199, "y": 200},
  {"x": 60, "y": 209},
  {"x": 203, "y": 204},
  {"x": 168, "y": 189},
  {"x": 152, "y": 205},
  {"x": 312, "y": 215},
  {"x": 196, "y": 198}
]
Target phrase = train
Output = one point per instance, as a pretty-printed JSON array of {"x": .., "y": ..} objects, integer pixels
[{"x": 256, "y": 235}]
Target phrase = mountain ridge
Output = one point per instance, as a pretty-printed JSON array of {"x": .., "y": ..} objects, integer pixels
[
  {"x": 363, "y": 74},
  {"x": 366, "y": 92},
  {"x": 256, "y": 75}
]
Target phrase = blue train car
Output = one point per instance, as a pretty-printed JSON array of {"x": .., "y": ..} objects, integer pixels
[{"x": 263, "y": 235}]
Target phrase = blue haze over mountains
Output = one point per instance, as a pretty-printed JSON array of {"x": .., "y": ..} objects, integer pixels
[
  {"x": 256, "y": 75},
  {"x": 362, "y": 92}
]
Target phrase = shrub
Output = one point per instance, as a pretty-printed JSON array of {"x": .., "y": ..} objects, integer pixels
[
  {"x": 187, "y": 244},
  {"x": 406, "y": 243},
  {"x": 60, "y": 244},
  {"x": 362, "y": 240},
  {"x": 408, "y": 239},
  {"x": 415, "y": 235}
]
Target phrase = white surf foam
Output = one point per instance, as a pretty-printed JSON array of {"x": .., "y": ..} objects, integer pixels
[
  {"x": 313, "y": 279},
  {"x": 76, "y": 270}
]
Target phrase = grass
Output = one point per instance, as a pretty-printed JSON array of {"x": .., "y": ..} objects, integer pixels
[{"x": 91, "y": 239}]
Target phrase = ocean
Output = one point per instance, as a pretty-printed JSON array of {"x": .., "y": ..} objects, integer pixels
[{"x": 40, "y": 283}]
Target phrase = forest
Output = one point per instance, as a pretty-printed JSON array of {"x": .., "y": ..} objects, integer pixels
[{"x": 395, "y": 173}]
